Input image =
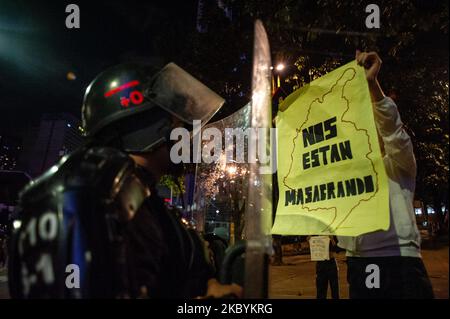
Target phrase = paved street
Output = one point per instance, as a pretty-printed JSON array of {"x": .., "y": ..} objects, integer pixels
[{"x": 296, "y": 279}]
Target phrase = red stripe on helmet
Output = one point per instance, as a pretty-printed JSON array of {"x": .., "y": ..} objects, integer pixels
[{"x": 121, "y": 88}]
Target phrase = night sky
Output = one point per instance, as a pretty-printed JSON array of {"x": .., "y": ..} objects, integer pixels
[{"x": 37, "y": 50}]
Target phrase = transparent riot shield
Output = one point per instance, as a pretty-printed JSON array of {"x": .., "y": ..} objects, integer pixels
[
  {"x": 221, "y": 179},
  {"x": 259, "y": 204}
]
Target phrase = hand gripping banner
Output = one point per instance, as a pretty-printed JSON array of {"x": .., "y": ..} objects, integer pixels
[{"x": 331, "y": 175}]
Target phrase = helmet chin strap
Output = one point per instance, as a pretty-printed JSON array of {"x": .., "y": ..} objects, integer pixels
[{"x": 147, "y": 150}]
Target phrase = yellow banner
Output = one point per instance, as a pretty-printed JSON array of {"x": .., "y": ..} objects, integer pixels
[{"x": 331, "y": 175}]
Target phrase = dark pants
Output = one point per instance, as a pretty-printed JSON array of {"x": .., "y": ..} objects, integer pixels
[
  {"x": 397, "y": 278},
  {"x": 326, "y": 272}
]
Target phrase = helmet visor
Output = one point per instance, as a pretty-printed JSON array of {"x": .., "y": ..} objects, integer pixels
[{"x": 182, "y": 95}]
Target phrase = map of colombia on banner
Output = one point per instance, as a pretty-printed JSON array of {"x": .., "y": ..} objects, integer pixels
[{"x": 331, "y": 176}]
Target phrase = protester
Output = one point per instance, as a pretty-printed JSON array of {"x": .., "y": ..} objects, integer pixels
[
  {"x": 391, "y": 258},
  {"x": 327, "y": 272}
]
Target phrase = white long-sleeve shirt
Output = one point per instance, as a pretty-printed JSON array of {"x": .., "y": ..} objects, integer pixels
[{"x": 402, "y": 238}]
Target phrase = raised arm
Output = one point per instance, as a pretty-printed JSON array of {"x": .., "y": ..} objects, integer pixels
[{"x": 397, "y": 143}]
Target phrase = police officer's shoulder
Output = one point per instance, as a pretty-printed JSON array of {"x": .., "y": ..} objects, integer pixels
[{"x": 108, "y": 172}]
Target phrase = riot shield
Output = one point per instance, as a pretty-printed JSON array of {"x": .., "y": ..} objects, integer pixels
[
  {"x": 259, "y": 204},
  {"x": 221, "y": 179}
]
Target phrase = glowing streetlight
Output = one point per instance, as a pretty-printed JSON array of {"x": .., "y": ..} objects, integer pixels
[
  {"x": 276, "y": 81},
  {"x": 280, "y": 67}
]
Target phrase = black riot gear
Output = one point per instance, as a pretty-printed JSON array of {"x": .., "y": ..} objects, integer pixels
[
  {"x": 70, "y": 217},
  {"x": 134, "y": 104},
  {"x": 93, "y": 225}
]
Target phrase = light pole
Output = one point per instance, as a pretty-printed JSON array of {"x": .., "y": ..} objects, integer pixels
[{"x": 276, "y": 81}]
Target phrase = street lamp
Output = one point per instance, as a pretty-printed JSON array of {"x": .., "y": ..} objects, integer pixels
[
  {"x": 276, "y": 82},
  {"x": 280, "y": 67}
]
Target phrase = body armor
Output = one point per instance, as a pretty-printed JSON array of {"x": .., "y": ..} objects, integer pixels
[{"x": 92, "y": 227}]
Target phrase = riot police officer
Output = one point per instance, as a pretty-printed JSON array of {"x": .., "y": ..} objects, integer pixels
[{"x": 93, "y": 225}]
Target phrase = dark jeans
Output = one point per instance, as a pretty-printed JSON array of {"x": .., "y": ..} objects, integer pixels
[
  {"x": 326, "y": 272},
  {"x": 399, "y": 278}
]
